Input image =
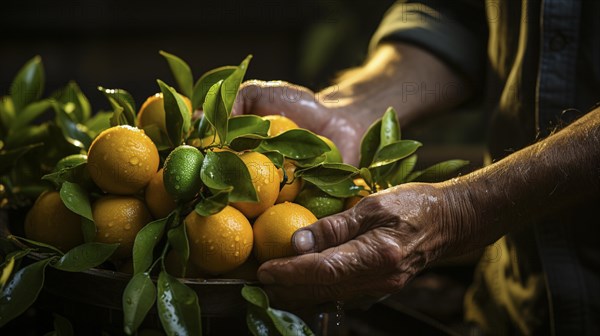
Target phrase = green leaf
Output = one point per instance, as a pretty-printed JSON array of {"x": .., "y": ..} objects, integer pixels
[
  {"x": 77, "y": 174},
  {"x": 9, "y": 157},
  {"x": 28, "y": 135},
  {"x": 438, "y": 172},
  {"x": 259, "y": 322},
  {"x": 256, "y": 296},
  {"x": 29, "y": 113},
  {"x": 365, "y": 173},
  {"x": 144, "y": 244},
  {"x": 206, "y": 81},
  {"x": 246, "y": 124},
  {"x": 28, "y": 84},
  {"x": 179, "y": 240},
  {"x": 182, "y": 73},
  {"x": 231, "y": 85},
  {"x": 177, "y": 114},
  {"x": 287, "y": 143},
  {"x": 75, "y": 133},
  {"x": 77, "y": 104},
  {"x": 328, "y": 173},
  {"x": 394, "y": 152},
  {"x": 160, "y": 139},
  {"x": 370, "y": 144},
  {"x": 118, "y": 117},
  {"x": 222, "y": 170},
  {"x": 21, "y": 291},
  {"x": 121, "y": 98},
  {"x": 215, "y": 112},
  {"x": 89, "y": 230},
  {"x": 214, "y": 203},
  {"x": 76, "y": 199},
  {"x": 85, "y": 256},
  {"x": 178, "y": 307},
  {"x": 390, "y": 128},
  {"x": 62, "y": 326},
  {"x": 342, "y": 189},
  {"x": 311, "y": 162},
  {"x": 7, "y": 113},
  {"x": 98, "y": 123},
  {"x": 403, "y": 169},
  {"x": 288, "y": 324},
  {"x": 275, "y": 157},
  {"x": 138, "y": 298}
]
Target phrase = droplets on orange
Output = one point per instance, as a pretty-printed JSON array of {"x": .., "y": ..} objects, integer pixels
[{"x": 122, "y": 160}]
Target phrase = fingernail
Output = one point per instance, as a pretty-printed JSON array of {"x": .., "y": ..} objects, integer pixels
[
  {"x": 304, "y": 241},
  {"x": 266, "y": 278}
]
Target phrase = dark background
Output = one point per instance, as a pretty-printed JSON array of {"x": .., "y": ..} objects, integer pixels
[{"x": 115, "y": 44}]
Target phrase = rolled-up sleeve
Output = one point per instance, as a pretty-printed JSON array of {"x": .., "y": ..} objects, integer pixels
[{"x": 455, "y": 31}]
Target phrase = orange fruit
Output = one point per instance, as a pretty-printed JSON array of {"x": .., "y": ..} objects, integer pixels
[
  {"x": 118, "y": 219},
  {"x": 50, "y": 221},
  {"x": 279, "y": 124},
  {"x": 273, "y": 230},
  {"x": 159, "y": 201},
  {"x": 266, "y": 183},
  {"x": 221, "y": 242},
  {"x": 152, "y": 112},
  {"x": 292, "y": 187},
  {"x": 122, "y": 160},
  {"x": 351, "y": 201}
]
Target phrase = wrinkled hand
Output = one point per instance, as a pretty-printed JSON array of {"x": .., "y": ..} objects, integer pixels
[
  {"x": 370, "y": 250},
  {"x": 319, "y": 113}
]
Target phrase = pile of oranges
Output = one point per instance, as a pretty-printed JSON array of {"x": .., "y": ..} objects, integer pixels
[{"x": 137, "y": 187}]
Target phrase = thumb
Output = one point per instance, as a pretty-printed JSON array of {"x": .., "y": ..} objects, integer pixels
[{"x": 327, "y": 232}]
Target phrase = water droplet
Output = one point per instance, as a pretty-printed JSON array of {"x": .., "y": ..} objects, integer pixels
[
  {"x": 128, "y": 227},
  {"x": 231, "y": 246},
  {"x": 237, "y": 238},
  {"x": 272, "y": 213},
  {"x": 129, "y": 301},
  {"x": 177, "y": 187},
  {"x": 106, "y": 235},
  {"x": 111, "y": 224},
  {"x": 212, "y": 248},
  {"x": 120, "y": 150},
  {"x": 237, "y": 253},
  {"x": 177, "y": 178},
  {"x": 134, "y": 161}
]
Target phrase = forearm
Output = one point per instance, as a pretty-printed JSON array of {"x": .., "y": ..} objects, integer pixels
[
  {"x": 410, "y": 79},
  {"x": 532, "y": 184}
]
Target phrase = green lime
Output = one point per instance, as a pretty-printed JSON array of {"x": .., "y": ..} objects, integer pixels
[
  {"x": 182, "y": 172},
  {"x": 319, "y": 203},
  {"x": 70, "y": 161},
  {"x": 334, "y": 155}
]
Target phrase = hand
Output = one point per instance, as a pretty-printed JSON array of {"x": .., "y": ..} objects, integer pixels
[
  {"x": 372, "y": 249},
  {"x": 318, "y": 113}
]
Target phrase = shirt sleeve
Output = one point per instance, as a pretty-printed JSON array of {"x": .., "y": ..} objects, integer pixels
[{"x": 455, "y": 31}]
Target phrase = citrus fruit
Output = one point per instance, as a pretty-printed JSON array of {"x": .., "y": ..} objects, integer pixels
[
  {"x": 333, "y": 155},
  {"x": 159, "y": 201},
  {"x": 221, "y": 242},
  {"x": 152, "y": 112},
  {"x": 279, "y": 124},
  {"x": 182, "y": 172},
  {"x": 118, "y": 219},
  {"x": 320, "y": 203},
  {"x": 174, "y": 266},
  {"x": 122, "y": 160},
  {"x": 273, "y": 230},
  {"x": 50, "y": 221},
  {"x": 266, "y": 183},
  {"x": 70, "y": 161},
  {"x": 351, "y": 201},
  {"x": 292, "y": 187}
]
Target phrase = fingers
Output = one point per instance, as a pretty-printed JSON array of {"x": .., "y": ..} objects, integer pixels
[
  {"x": 278, "y": 97},
  {"x": 327, "y": 232}
]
